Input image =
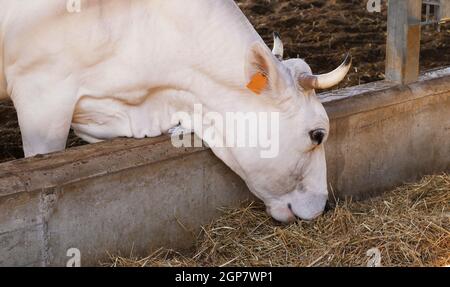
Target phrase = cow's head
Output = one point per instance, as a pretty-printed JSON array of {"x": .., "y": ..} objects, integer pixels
[{"x": 294, "y": 183}]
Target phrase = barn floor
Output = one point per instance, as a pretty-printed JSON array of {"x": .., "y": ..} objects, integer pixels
[
  {"x": 409, "y": 226},
  {"x": 322, "y": 33},
  {"x": 312, "y": 29}
]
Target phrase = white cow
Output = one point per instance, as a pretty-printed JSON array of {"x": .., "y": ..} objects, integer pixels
[{"x": 124, "y": 68}]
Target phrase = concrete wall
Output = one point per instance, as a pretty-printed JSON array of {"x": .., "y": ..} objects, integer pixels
[
  {"x": 383, "y": 135},
  {"x": 138, "y": 195},
  {"x": 116, "y": 196}
]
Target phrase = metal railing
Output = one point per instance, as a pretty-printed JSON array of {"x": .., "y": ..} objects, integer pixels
[{"x": 436, "y": 12}]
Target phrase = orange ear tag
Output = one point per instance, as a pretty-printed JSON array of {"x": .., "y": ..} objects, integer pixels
[{"x": 258, "y": 83}]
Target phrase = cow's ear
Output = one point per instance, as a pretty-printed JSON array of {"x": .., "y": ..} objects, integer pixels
[{"x": 263, "y": 74}]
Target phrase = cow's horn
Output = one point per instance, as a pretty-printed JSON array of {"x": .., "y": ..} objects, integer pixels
[
  {"x": 278, "y": 48},
  {"x": 328, "y": 80}
]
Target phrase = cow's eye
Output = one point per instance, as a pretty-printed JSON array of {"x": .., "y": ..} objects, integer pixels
[{"x": 317, "y": 136}]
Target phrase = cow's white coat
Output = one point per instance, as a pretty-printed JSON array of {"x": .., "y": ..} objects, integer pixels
[{"x": 124, "y": 68}]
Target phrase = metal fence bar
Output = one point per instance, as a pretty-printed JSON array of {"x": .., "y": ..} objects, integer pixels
[
  {"x": 432, "y": 17},
  {"x": 444, "y": 11},
  {"x": 403, "y": 40}
]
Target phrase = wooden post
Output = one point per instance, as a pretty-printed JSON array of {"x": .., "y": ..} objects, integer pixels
[{"x": 403, "y": 40}]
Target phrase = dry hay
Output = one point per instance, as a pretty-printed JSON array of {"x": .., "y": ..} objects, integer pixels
[{"x": 410, "y": 226}]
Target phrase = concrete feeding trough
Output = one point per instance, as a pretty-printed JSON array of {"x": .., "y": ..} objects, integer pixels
[{"x": 138, "y": 195}]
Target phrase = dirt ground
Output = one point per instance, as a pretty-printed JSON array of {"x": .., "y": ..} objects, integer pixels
[
  {"x": 321, "y": 33},
  {"x": 316, "y": 30}
]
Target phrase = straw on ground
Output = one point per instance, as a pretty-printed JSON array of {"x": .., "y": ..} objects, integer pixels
[{"x": 410, "y": 226}]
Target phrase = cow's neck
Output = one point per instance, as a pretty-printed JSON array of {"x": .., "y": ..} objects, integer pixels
[
  {"x": 215, "y": 72},
  {"x": 207, "y": 96}
]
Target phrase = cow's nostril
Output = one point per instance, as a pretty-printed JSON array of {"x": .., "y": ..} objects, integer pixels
[{"x": 328, "y": 206}]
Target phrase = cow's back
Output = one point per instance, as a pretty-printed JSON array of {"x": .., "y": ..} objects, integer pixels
[
  {"x": 107, "y": 36},
  {"x": 15, "y": 17}
]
